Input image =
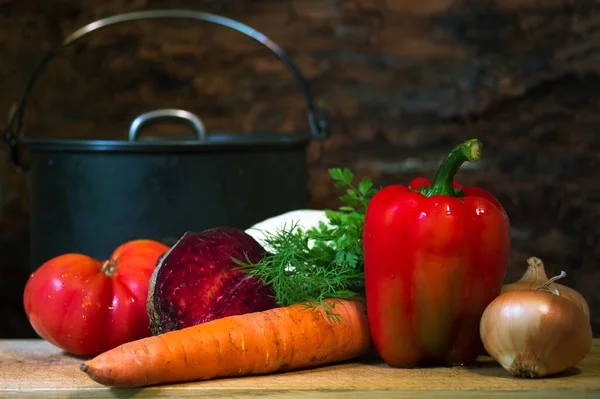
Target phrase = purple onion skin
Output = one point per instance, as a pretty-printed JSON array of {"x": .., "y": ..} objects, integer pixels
[{"x": 197, "y": 281}]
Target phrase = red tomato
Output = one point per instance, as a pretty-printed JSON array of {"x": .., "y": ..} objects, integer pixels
[{"x": 85, "y": 306}]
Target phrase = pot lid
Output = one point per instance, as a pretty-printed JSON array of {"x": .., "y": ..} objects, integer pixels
[
  {"x": 317, "y": 117},
  {"x": 202, "y": 140}
]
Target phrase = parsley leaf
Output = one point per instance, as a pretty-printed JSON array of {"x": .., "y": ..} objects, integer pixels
[{"x": 307, "y": 266}]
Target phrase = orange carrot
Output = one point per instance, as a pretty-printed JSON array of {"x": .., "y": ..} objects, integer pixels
[{"x": 285, "y": 338}]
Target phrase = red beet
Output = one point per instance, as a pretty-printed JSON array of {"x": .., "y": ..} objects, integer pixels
[{"x": 196, "y": 280}]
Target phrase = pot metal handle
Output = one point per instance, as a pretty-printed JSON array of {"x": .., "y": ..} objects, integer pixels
[
  {"x": 317, "y": 116},
  {"x": 167, "y": 114}
]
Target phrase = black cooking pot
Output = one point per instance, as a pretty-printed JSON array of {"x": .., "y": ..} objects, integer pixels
[{"x": 88, "y": 196}]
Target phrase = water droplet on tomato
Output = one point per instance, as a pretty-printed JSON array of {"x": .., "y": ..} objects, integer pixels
[
  {"x": 132, "y": 300},
  {"x": 83, "y": 316}
]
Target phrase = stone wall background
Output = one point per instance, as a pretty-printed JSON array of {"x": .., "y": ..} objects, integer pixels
[{"x": 402, "y": 82}]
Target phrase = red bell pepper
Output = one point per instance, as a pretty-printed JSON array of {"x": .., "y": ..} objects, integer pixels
[{"x": 435, "y": 256}]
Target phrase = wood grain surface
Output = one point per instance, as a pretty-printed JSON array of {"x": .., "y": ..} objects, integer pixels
[{"x": 36, "y": 369}]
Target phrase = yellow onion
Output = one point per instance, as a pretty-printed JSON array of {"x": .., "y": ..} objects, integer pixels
[
  {"x": 535, "y": 332},
  {"x": 535, "y": 277}
]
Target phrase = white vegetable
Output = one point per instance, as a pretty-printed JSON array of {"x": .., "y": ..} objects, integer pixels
[{"x": 303, "y": 218}]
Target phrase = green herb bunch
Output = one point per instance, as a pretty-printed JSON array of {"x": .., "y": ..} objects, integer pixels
[{"x": 307, "y": 266}]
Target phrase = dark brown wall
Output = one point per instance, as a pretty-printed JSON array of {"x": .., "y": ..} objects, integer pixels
[{"x": 402, "y": 80}]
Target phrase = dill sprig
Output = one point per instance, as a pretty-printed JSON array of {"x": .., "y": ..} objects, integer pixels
[{"x": 326, "y": 261}]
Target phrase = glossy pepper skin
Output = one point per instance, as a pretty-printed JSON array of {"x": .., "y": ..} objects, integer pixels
[{"x": 435, "y": 256}]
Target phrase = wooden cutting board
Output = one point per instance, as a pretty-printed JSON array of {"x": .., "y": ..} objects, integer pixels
[{"x": 36, "y": 369}]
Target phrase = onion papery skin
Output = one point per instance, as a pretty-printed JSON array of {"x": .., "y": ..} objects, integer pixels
[
  {"x": 535, "y": 277},
  {"x": 535, "y": 333}
]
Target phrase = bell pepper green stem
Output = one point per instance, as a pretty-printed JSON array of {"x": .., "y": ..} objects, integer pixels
[{"x": 442, "y": 183}]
